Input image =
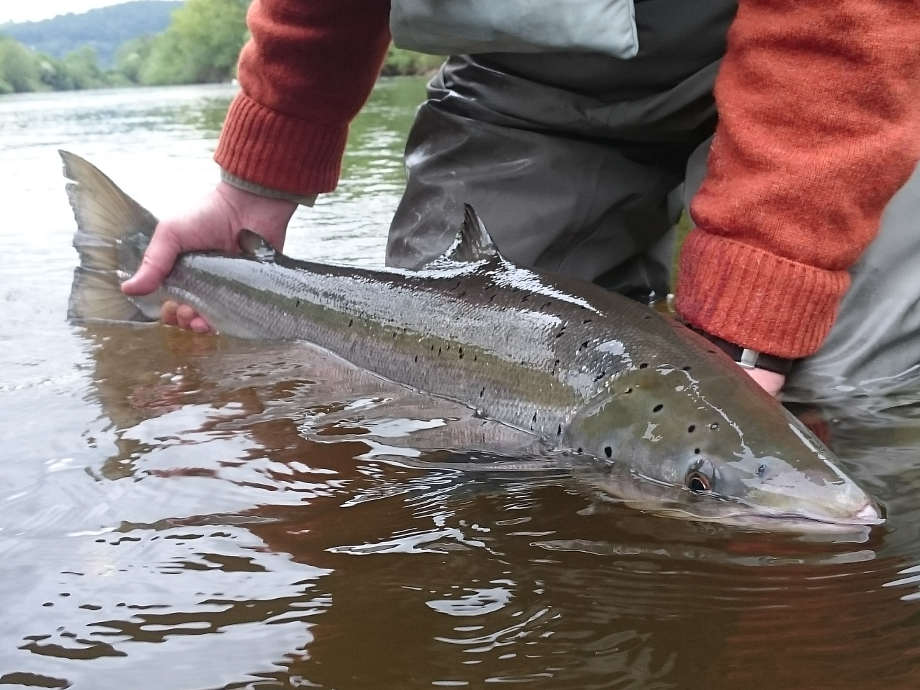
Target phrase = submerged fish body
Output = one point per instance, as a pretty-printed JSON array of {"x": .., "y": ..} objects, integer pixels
[{"x": 584, "y": 370}]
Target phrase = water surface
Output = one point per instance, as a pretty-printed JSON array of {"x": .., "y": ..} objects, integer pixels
[{"x": 184, "y": 512}]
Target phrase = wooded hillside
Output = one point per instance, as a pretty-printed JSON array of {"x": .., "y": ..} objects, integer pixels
[{"x": 104, "y": 29}]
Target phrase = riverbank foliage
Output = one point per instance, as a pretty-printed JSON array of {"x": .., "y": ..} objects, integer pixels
[{"x": 200, "y": 45}]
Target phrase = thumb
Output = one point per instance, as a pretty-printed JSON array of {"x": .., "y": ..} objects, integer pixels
[{"x": 157, "y": 263}]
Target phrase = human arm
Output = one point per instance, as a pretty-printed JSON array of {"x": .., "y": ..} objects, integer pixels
[
  {"x": 818, "y": 129},
  {"x": 305, "y": 73}
]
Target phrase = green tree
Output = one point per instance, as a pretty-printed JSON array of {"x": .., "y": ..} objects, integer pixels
[
  {"x": 54, "y": 75},
  {"x": 19, "y": 67},
  {"x": 83, "y": 68},
  {"x": 201, "y": 44},
  {"x": 131, "y": 56}
]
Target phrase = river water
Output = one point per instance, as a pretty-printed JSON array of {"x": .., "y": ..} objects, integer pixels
[{"x": 186, "y": 512}]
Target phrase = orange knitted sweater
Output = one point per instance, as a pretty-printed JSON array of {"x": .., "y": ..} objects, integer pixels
[{"x": 818, "y": 106}]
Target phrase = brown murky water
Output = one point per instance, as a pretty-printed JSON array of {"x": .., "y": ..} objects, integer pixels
[{"x": 186, "y": 512}]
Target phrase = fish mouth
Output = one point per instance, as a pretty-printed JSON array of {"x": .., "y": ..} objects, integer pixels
[
  {"x": 735, "y": 513},
  {"x": 870, "y": 513},
  {"x": 757, "y": 518}
]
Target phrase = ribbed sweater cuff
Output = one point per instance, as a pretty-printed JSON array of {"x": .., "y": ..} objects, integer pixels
[
  {"x": 756, "y": 299},
  {"x": 280, "y": 152}
]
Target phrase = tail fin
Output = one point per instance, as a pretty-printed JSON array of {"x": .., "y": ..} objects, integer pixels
[{"x": 105, "y": 215}]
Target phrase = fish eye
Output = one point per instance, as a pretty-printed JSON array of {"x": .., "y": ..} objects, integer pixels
[{"x": 697, "y": 481}]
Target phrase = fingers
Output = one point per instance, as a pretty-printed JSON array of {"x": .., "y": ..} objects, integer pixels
[
  {"x": 199, "y": 325},
  {"x": 184, "y": 316},
  {"x": 770, "y": 381},
  {"x": 157, "y": 263},
  {"x": 168, "y": 313},
  {"x": 189, "y": 319}
]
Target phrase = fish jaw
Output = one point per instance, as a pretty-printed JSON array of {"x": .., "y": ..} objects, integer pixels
[{"x": 677, "y": 434}]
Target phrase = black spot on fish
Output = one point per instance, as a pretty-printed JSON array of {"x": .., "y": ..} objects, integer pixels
[
  {"x": 394, "y": 334},
  {"x": 475, "y": 358},
  {"x": 608, "y": 451},
  {"x": 644, "y": 365},
  {"x": 761, "y": 470},
  {"x": 432, "y": 348},
  {"x": 297, "y": 302},
  {"x": 561, "y": 331},
  {"x": 350, "y": 322},
  {"x": 687, "y": 368},
  {"x": 658, "y": 408},
  {"x": 523, "y": 299},
  {"x": 461, "y": 353},
  {"x": 482, "y": 392},
  {"x": 559, "y": 430},
  {"x": 583, "y": 346},
  {"x": 533, "y": 420},
  {"x": 416, "y": 359},
  {"x": 439, "y": 352},
  {"x": 580, "y": 450},
  {"x": 696, "y": 451},
  {"x": 586, "y": 321},
  {"x": 691, "y": 428},
  {"x": 492, "y": 298}
]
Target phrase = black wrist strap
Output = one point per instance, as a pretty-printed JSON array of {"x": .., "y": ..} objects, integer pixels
[{"x": 749, "y": 359}]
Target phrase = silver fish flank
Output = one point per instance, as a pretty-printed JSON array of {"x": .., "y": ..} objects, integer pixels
[{"x": 585, "y": 371}]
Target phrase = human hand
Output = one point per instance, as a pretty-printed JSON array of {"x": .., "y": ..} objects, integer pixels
[
  {"x": 214, "y": 224},
  {"x": 770, "y": 381}
]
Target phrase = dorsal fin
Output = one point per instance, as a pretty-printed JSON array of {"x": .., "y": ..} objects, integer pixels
[
  {"x": 473, "y": 242},
  {"x": 253, "y": 245}
]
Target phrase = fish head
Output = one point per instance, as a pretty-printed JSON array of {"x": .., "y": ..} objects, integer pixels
[{"x": 718, "y": 447}]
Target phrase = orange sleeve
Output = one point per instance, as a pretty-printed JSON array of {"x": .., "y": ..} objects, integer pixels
[
  {"x": 305, "y": 73},
  {"x": 818, "y": 128}
]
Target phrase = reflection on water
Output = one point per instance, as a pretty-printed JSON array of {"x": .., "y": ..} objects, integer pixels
[{"x": 191, "y": 512}]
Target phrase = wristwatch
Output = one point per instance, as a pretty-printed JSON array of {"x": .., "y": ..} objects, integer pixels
[{"x": 747, "y": 358}]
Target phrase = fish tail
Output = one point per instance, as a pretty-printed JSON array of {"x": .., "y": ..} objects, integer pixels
[{"x": 105, "y": 216}]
